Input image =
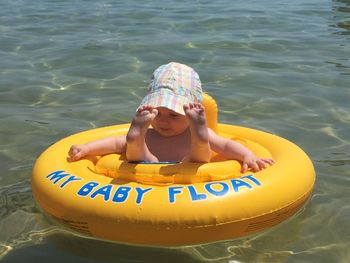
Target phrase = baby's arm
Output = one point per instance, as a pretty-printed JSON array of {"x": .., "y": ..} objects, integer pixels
[
  {"x": 236, "y": 151},
  {"x": 116, "y": 144}
]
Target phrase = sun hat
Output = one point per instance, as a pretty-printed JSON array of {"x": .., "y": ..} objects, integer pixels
[{"x": 172, "y": 86}]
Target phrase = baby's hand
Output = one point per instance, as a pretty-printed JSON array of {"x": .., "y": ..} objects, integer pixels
[
  {"x": 77, "y": 152},
  {"x": 255, "y": 163}
]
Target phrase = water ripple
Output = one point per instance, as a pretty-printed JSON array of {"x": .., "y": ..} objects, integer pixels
[{"x": 278, "y": 66}]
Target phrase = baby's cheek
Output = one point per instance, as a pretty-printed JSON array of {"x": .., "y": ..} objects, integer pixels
[{"x": 181, "y": 127}]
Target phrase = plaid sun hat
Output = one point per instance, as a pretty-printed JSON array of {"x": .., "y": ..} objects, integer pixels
[{"x": 173, "y": 85}]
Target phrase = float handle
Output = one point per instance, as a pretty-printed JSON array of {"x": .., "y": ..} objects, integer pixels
[{"x": 211, "y": 111}]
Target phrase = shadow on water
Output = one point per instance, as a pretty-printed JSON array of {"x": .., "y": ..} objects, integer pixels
[
  {"x": 32, "y": 234},
  {"x": 70, "y": 248}
]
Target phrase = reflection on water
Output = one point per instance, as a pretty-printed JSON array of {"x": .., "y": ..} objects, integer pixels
[
  {"x": 16, "y": 197},
  {"x": 16, "y": 213},
  {"x": 281, "y": 67},
  {"x": 342, "y": 8},
  {"x": 342, "y": 22}
]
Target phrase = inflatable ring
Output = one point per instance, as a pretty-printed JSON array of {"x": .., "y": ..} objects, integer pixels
[{"x": 173, "y": 204}]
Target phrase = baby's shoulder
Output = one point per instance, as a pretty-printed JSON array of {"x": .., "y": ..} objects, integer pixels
[{"x": 212, "y": 133}]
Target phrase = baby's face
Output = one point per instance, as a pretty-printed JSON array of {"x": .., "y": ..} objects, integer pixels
[{"x": 169, "y": 123}]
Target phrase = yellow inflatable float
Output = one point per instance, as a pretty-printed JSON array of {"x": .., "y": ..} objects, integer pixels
[{"x": 173, "y": 204}]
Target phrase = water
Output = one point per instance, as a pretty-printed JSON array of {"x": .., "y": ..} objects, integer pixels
[{"x": 279, "y": 66}]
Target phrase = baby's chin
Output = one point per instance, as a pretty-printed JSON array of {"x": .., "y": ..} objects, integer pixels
[{"x": 165, "y": 132}]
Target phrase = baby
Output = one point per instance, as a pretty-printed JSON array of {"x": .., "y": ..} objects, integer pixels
[{"x": 179, "y": 133}]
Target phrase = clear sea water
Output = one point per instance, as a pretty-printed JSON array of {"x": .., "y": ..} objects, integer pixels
[{"x": 279, "y": 66}]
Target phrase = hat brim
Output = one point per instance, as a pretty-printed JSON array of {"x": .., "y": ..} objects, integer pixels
[{"x": 166, "y": 98}]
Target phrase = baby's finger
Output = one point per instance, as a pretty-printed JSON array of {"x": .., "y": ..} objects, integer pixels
[
  {"x": 142, "y": 108},
  {"x": 244, "y": 167},
  {"x": 70, "y": 157},
  {"x": 77, "y": 156},
  {"x": 261, "y": 164},
  {"x": 72, "y": 150},
  {"x": 268, "y": 161},
  {"x": 255, "y": 167},
  {"x": 199, "y": 107}
]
